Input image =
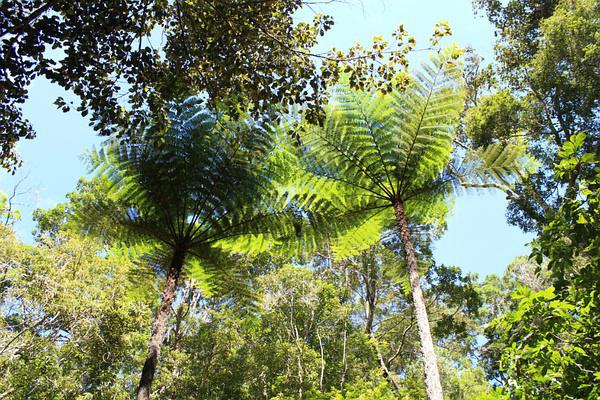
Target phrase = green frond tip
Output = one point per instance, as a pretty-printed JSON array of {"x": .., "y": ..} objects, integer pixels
[
  {"x": 200, "y": 279},
  {"x": 362, "y": 236},
  {"x": 250, "y": 244},
  {"x": 498, "y": 165}
]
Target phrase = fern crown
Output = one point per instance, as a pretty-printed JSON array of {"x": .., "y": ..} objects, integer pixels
[{"x": 377, "y": 150}]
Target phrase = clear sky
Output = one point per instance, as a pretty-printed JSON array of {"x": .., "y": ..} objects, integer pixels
[{"x": 478, "y": 238}]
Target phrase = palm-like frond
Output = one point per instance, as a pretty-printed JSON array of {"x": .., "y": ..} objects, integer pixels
[
  {"x": 197, "y": 187},
  {"x": 498, "y": 166},
  {"x": 375, "y": 149},
  {"x": 362, "y": 235},
  {"x": 223, "y": 275},
  {"x": 390, "y": 145}
]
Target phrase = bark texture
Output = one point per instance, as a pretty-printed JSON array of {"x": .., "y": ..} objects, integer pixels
[
  {"x": 159, "y": 326},
  {"x": 432, "y": 374}
]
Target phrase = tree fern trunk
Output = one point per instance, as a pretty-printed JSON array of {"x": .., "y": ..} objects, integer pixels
[
  {"x": 159, "y": 326},
  {"x": 432, "y": 375}
]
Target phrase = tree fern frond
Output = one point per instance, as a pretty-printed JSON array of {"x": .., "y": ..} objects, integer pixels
[
  {"x": 218, "y": 274},
  {"x": 207, "y": 187},
  {"x": 363, "y": 235},
  {"x": 374, "y": 150},
  {"x": 498, "y": 166}
]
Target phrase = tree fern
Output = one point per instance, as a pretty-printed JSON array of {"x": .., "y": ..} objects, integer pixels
[
  {"x": 188, "y": 194},
  {"x": 390, "y": 159}
]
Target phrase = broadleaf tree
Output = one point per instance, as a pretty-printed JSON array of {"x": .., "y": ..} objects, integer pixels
[{"x": 543, "y": 92}]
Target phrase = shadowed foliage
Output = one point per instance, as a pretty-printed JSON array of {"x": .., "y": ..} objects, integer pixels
[{"x": 208, "y": 180}]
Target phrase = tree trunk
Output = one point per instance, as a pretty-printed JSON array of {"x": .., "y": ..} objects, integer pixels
[
  {"x": 384, "y": 368},
  {"x": 345, "y": 341},
  {"x": 370, "y": 298},
  {"x": 159, "y": 327},
  {"x": 432, "y": 375},
  {"x": 370, "y": 282}
]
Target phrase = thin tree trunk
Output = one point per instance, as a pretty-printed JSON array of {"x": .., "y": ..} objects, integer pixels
[
  {"x": 322, "y": 362},
  {"x": 370, "y": 303},
  {"x": 370, "y": 299},
  {"x": 344, "y": 358},
  {"x": 432, "y": 375},
  {"x": 345, "y": 342},
  {"x": 384, "y": 368},
  {"x": 159, "y": 327}
]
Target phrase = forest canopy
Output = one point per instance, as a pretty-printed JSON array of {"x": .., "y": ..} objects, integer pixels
[{"x": 260, "y": 218}]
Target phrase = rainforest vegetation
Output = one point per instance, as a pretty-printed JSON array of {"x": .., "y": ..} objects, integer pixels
[{"x": 259, "y": 220}]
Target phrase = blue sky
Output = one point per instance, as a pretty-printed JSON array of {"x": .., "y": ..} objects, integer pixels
[{"x": 478, "y": 238}]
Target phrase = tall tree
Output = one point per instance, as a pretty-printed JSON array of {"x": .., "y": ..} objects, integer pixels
[
  {"x": 389, "y": 159},
  {"x": 545, "y": 344},
  {"x": 202, "y": 183},
  {"x": 546, "y": 97},
  {"x": 545, "y": 92}
]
